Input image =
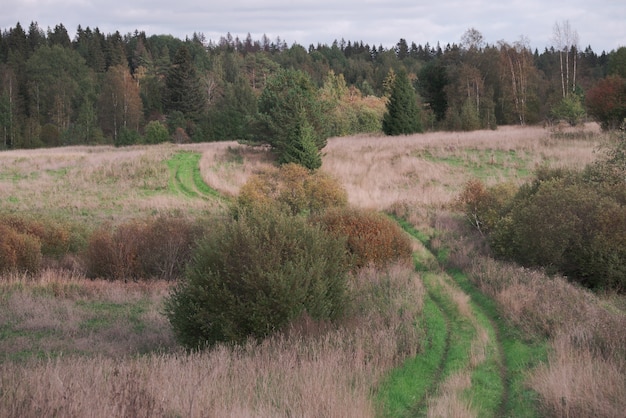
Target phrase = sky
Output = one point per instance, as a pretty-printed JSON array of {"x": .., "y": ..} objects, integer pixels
[{"x": 600, "y": 24}]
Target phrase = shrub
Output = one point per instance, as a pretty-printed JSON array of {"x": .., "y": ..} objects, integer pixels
[
  {"x": 114, "y": 254},
  {"x": 157, "y": 248},
  {"x": 253, "y": 275},
  {"x": 606, "y": 102},
  {"x": 166, "y": 247},
  {"x": 19, "y": 251},
  {"x": 56, "y": 238},
  {"x": 294, "y": 189},
  {"x": 484, "y": 206},
  {"x": 569, "y": 223},
  {"x": 371, "y": 237},
  {"x": 156, "y": 133},
  {"x": 569, "y": 109}
]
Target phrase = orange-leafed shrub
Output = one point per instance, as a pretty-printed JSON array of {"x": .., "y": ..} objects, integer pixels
[
  {"x": 294, "y": 189},
  {"x": 19, "y": 251},
  {"x": 55, "y": 238},
  {"x": 371, "y": 237}
]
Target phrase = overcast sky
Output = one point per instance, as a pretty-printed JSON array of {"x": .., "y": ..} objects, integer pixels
[{"x": 599, "y": 23}]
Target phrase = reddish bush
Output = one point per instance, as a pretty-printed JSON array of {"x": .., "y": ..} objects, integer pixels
[
  {"x": 606, "y": 102},
  {"x": 157, "y": 248},
  {"x": 372, "y": 238}
]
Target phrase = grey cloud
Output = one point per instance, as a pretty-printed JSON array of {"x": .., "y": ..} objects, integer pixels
[{"x": 310, "y": 22}]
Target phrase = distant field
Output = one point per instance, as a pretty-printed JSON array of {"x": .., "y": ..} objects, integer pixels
[{"x": 489, "y": 339}]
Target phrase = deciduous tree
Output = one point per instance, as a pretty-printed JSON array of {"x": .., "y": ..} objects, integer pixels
[{"x": 120, "y": 103}]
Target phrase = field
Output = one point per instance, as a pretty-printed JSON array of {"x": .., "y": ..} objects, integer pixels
[{"x": 455, "y": 334}]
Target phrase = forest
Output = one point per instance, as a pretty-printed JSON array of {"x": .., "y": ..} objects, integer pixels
[{"x": 125, "y": 89}]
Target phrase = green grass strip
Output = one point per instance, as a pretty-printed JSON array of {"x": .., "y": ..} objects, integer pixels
[
  {"x": 491, "y": 395},
  {"x": 520, "y": 354},
  {"x": 409, "y": 384},
  {"x": 186, "y": 178}
]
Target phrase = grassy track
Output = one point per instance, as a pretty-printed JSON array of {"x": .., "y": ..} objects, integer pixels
[
  {"x": 472, "y": 363},
  {"x": 186, "y": 179}
]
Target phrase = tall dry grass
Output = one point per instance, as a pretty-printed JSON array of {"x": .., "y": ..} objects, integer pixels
[
  {"x": 379, "y": 171},
  {"x": 61, "y": 311},
  {"x": 312, "y": 370}
]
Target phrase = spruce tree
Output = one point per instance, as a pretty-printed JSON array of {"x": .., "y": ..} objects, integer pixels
[
  {"x": 403, "y": 114},
  {"x": 301, "y": 149},
  {"x": 183, "y": 90},
  {"x": 291, "y": 117}
]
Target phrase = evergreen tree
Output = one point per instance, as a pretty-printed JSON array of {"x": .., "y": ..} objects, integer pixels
[
  {"x": 288, "y": 101},
  {"x": 301, "y": 149},
  {"x": 183, "y": 90},
  {"x": 403, "y": 114}
]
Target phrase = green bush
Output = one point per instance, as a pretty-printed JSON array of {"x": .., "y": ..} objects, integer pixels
[
  {"x": 254, "y": 275},
  {"x": 156, "y": 133},
  {"x": 564, "y": 222},
  {"x": 484, "y": 206},
  {"x": 371, "y": 237}
]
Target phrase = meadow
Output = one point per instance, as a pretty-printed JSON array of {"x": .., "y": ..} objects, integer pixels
[{"x": 456, "y": 334}]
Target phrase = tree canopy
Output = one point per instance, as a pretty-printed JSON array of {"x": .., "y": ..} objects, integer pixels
[{"x": 53, "y": 86}]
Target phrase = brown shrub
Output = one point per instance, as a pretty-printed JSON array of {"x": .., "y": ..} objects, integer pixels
[
  {"x": 156, "y": 248},
  {"x": 372, "y": 238},
  {"x": 166, "y": 247},
  {"x": 54, "y": 237},
  {"x": 115, "y": 254},
  {"x": 294, "y": 188},
  {"x": 19, "y": 251}
]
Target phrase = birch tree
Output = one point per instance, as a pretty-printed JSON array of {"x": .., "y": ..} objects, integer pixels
[
  {"x": 566, "y": 40},
  {"x": 517, "y": 70}
]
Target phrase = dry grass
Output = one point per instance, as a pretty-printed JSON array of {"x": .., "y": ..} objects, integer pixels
[
  {"x": 313, "y": 370},
  {"x": 226, "y": 166},
  {"x": 379, "y": 171},
  {"x": 92, "y": 183},
  {"x": 63, "y": 312},
  {"x": 450, "y": 401}
]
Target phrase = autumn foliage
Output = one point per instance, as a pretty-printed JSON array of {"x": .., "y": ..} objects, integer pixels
[
  {"x": 371, "y": 237},
  {"x": 294, "y": 189},
  {"x": 606, "y": 102}
]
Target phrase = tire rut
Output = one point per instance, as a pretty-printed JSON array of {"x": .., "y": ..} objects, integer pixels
[{"x": 481, "y": 319}]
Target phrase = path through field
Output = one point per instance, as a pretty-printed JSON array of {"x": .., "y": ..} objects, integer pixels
[
  {"x": 185, "y": 176},
  {"x": 471, "y": 365}
]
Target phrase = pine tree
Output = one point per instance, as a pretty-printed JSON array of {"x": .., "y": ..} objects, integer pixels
[{"x": 403, "y": 114}]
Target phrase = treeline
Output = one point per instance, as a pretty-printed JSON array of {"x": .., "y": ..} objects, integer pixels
[{"x": 124, "y": 89}]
